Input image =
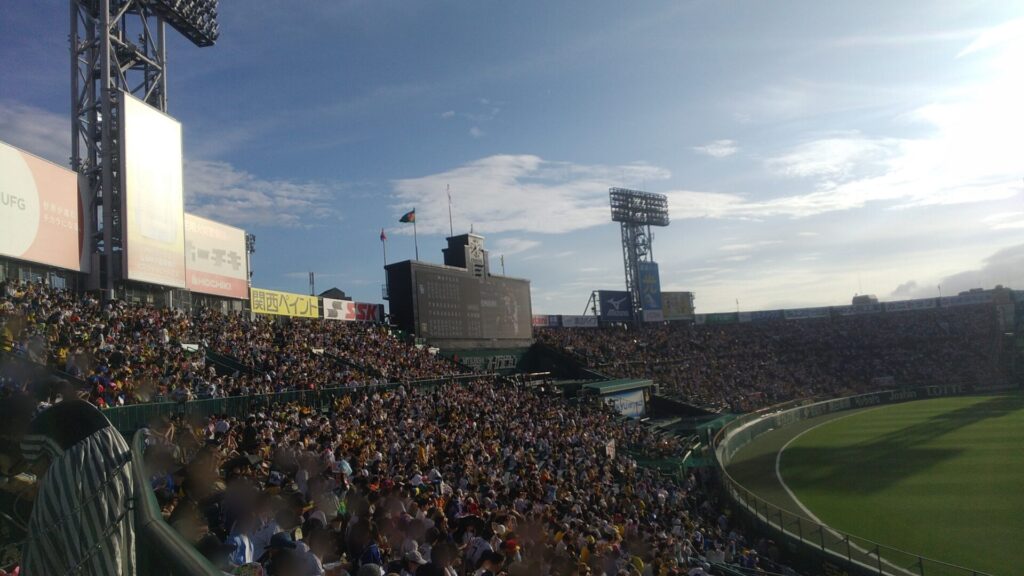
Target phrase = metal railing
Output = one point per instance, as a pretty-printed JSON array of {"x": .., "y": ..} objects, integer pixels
[
  {"x": 841, "y": 550},
  {"x": 159, "y": 549}
]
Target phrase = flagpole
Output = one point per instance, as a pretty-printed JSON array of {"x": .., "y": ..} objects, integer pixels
[
  {"x": 451, "y": 229},
  {"x": 415, "y": 238}
]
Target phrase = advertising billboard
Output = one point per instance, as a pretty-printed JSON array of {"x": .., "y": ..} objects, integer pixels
[
  {"x": 215, "y": 260},
  {"x": 615, "y": 305},
  {"x": 453, "y": 304},
  {"x": 349, "y": 311},
  {"x": 855, "y": 309},
  {"x": 152, "y": 193},
  {"x": 677, "y": 305},
  {"x": 807, "y": 313},
  {"x": 905, "y": 305},
  {"x": 39, "y": 210},
  {"x": 765, "y": 315},
  {"x": 967, "y": 299},
  {"x": 579, "y": 321},
  {"x": 284, "y": 303},
  {"x": 650, "y": 286}
]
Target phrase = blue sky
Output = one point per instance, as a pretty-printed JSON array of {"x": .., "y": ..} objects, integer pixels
[{"x": 810, "y": 150}]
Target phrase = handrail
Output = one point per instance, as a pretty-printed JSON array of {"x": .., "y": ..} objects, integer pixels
[
  {"x": 159, "y": 548},
  {"x": 846, "y": 548}
]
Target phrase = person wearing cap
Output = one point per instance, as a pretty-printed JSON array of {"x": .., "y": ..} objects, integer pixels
[
  {"x": 411, "y": 563},
  {"x": 283, "y": 520},
  {"x": 370, "y": 570},
  {"x": 280, "y": 557}
]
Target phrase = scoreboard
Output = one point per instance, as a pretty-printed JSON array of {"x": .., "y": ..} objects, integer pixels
[
  {"x": 452, "y": 304},
  {"x": 448, "y": 303}
]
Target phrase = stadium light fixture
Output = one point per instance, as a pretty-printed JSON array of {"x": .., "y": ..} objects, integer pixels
[
  {"x": 194, "y": 19},
  {"x": 636, "y": 212},
  {"x": 636, "y": 207}
]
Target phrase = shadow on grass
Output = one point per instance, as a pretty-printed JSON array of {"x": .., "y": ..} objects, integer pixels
[{"x": 874, "y": 465}]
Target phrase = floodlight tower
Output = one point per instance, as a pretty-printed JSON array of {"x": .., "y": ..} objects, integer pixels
[
  {"x": 119, "y": 45},
  {"x": 636, "y": 212}
]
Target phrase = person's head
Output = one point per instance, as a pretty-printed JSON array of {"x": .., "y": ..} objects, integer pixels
[
  {"x": 413, "y": 560},
  {"x": 281, "y": 544},
  {"x": 370, "y": 570},
  {"x": 286, "y": 562},
  {"x": 492, "y": 561}
]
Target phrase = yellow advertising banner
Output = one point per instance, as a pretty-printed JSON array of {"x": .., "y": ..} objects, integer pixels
[{"x": 283, "y": 303}]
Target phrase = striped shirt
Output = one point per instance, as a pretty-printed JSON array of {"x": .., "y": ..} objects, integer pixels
[{"x": 81, "y": 522}]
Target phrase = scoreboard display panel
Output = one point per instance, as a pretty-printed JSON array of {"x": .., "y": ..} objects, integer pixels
[{"x": 452, "y": 304}]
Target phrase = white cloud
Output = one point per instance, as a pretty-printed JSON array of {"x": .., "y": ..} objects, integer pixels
[
  {"x": 718, "y": 148},
  {"x": 514, "y": 245},
  {"x": 1005, "y": 221},
  {"x": 995, "y": 36},
  {"x": 220, "y": 191},
  {"x": 899, "y": 40},
  {"x": 748, "y": 246},
  {"x": 834, "y": 157},
  {"x": 737, "y": 258},
  {"x": 476, "y": 132},
  {"x": 524, "y": 193},
  {"x": 38, "y": 131},
  {"x": 217, "y": 190},
  {"x": 970, "y": 154},
  {"x": 1004, "y": 267},
  {"x": 448, "y": 114},
  {"x": 905, "y": 290}
]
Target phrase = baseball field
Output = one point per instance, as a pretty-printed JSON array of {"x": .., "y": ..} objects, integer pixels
[{"x": 941, "y": 478}]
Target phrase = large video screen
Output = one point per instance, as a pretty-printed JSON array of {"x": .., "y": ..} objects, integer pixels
[
  {"x": 215, "y": 260},
  {"x": 154, "y": 243},
  {"x": 452, "y": 304},
  {"x": 39, "y": 212}
]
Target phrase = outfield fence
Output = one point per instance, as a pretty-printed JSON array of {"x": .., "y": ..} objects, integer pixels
[{"x": 832, "y": 552}]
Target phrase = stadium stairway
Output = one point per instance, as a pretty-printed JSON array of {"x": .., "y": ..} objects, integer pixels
[
  {"x": 339, "y": 361},
  {"x": 544, "y": 357},
  {"x": 227, "y": 365}
]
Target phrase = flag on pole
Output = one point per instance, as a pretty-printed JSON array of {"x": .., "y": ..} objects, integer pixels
[
  {"x": 383, "y": 236},
  {"x": 410, "y": 216}
]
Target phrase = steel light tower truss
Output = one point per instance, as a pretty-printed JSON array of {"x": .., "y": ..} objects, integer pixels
[
  {"x": 118, "y": 46},
  {"x": 636, "y": 212}
]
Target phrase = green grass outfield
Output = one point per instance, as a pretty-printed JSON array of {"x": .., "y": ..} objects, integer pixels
[{"x": 943, "y": 478}]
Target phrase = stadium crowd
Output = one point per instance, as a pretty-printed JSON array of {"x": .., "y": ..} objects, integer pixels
[
  {"x": 740, "y": 367},
  {"x": 129, "y": 353},
  {"x": 480, "y": 479}
]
